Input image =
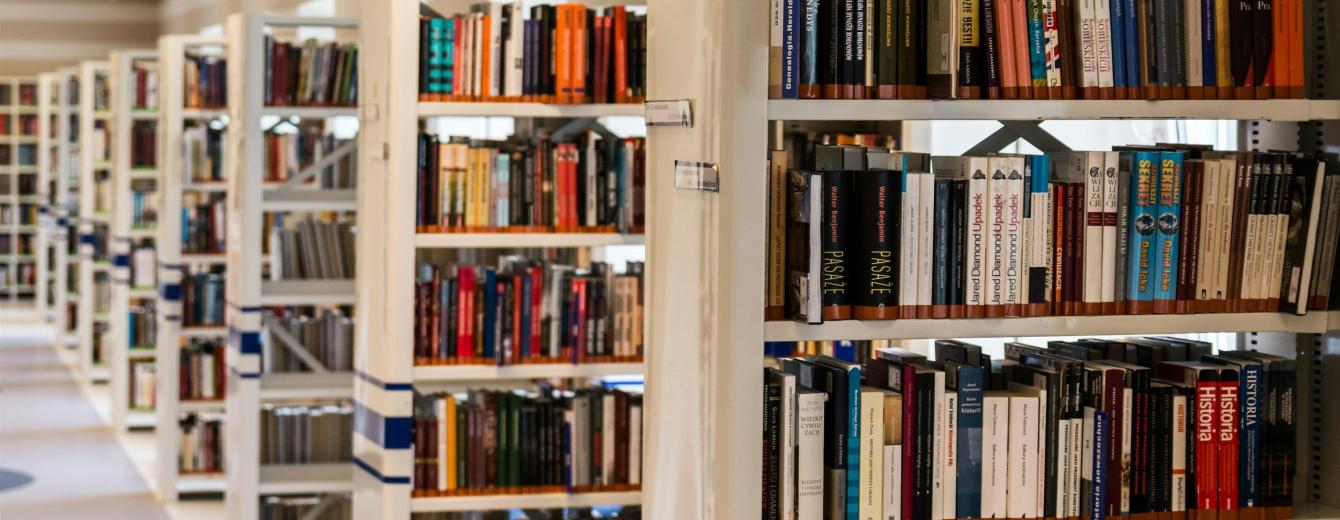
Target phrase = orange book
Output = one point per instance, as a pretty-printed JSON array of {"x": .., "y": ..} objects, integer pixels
[
  {"x": 1005, "y": 28},
  {"x": 1277, "y": 75},
  {"x": 620, "y": 55},
  {"x": 579, "y": 51},
  {"x": 1023, "y": 78},
  {"x": 485, "y": 54},
  {"x": 1295, "y": 35}
]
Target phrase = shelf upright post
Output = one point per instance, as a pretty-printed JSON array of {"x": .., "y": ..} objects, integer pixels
[
  {"x": 383, "y": 390},
  {"x": 123, "y": 92},
  {"x": 88, "y": 217},
  {"x": 46, "y": 89},
  {"x": 10, "y": 170},
  {"x": 242, "y": 287},
  {"x": 62, "y": 210},
  {"x": 704, "y": 341}
]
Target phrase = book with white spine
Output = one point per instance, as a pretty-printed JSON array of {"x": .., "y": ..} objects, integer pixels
[
  {"x": 1195, "y": 61},
  {"x": 998, "y": 191},
  {"x": 516, "y": 44},
  {"x": 1014, "y": 237},
  {"x": 1088, "y": 43},
  {"x": 871, "y": 494},
  {"x": 977, "y": 277},
  {"x": 1208, "y": 270},
  {"x": 938, "y": 445},
  {"x": 1126, "y": 397},
  {"x": 787, "y": 442},
  {"x": 495, "y": 43},
  {"x": 893, "y": 483},
  {"x": 1021, "y": 495},
  {"x": 907, "y": 298},
  {"x": 995, "y": 453},
  {"x": 950, "y": 486},
  {"x": 925, "y": 244},
  {"x": 810, "y": 453},
  {"x": 1179, "y": 432},
  {"x": 1094, "y": 164},
  {"x": 1102, "y": 38},
  {"x": 1108, "y": 295},
  {"x": 1227, "y": 178}
]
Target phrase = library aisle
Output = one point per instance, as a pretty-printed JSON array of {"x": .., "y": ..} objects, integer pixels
[{"x": 58, "y": 459}]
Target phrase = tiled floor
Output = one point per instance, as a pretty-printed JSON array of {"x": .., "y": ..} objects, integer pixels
[{"x": 53, "y": 430}]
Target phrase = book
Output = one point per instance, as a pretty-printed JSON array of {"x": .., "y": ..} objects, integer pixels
[{"x": 809, "y": 453}]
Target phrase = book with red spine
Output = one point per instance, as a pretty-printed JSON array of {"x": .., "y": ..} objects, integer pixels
[
  {"x": 465, "y": 339},
  {"x": 1226, "y": 418},
  {"x": 1204, "y": 377},
  {"x": 536, "y": 315}
]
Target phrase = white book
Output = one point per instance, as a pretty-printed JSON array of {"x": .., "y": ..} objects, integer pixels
[
  {"x": 1014, "y": 232},
  {"x": 1076, "y": 463},
  {"x": 1254, "y": 240},
  {"x": 926, "y": 242},
  {"x": 995, "y": 454},
  {"x": 871, "y": 494},
  {"x": 442, "y": 432},
  {"x": 998, "y": 190},
  {"x": 1052, "y": 40},
  {"x": 495, "y": 43},
  {"x": 1103, "y": 41},
  {"x": 1126, "y": 396},
  {"x": 1109, "y": 260},
  {"x": 910, "y": 219},
  {"x": 1179, "y": 462},
  {"x": 516, "y": 44},
  {"x": 1209, "y": 235},
  {"x": 787, "y": 442},
  {"x": 1195, "y": 63},
  {"x": 938, "y": 446},
  {"x": 893, "y": 483},
  {"x": 1088, "y": 43},
  {"x": 810, "y": 454},
  {"x": 1228, "y": 169},
  {"x": 635, "y": 451},
  {"x": 950, "y": 486},
  {"x": 1093, "y": 227},
  {"x": 607, "y": 437},
  {"x": 976, "y": 249},
  {"x": 1063, "y": 468},
  {"x": 1024, "y": 492}
]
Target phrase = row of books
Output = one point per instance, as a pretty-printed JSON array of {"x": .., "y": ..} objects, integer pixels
[
  {"x": 144, "y": 77},
  {"x": 26, "y": 126},
  {"x": 206, "y": 81},
  {"x": 1087, "y": 428},
  {"x": 312, "y": 249},
  {"x": 1057, "y": 49},
  {"x": 24, "y": 213},
  {"x": 202, "y": 299},
  {"x": 143, "y": 265},
  {"x": 300, "y": 434},
  {"x": 203, "y": 223},
  {"x": 288, "y": 154},
  {"x": 202, "y": 154},
  {"x": 27, "y": 154},
  {"x": 99, "y": 143},
  {"x": 144, "y": 144},
  {"x": 21, "y": 275},
  {"x": 564, "y": 53},
  {"x": 143, "y": 204},
  {"x": 596, "y": 182},
  {"x": 527, "y": 311},
  {"x": 874, "y": 234},
  {"x": 142, "y": 325},
  {"x": 101, "y": 92},
  {"x": 496, "y": 442},
  {"x": 310, "y": 73},
  {"x": 200, "y": 449},
  {"x": 202, "y": 369},
  {"x": 143, "y": 381},
  {"x": 327, "y": 336},
  {"x": 27, "y": 95},
  {"x": 293, "y": 507}
]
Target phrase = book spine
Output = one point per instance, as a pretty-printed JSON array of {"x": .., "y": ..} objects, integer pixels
[
  {"x": 1014, "y": 238},
  {"x": 809, "y": 50},
  {"x": 978, "y": 241},
  {"x": 877, "y": 209},
  {"x": 925, "y": 244},
  {"x": 1250, "y": 432},
  {"x": 970, "y": 60},
  {"x": 911, "y": 192},
  {"x": 938, "y": 447},
  {"x": 990, "y": 49},
  {"x": 1117, "y": 16},
  {"x": 1121, "y": 275},
  {"x": 836, "y": 268},
  {"x": 958, "y": 247},
  {"x": 886, "y": 45},
  {"x": 777, "y": 247},
  {"x": 1108, "y": 277},
  {"x": 968, "y": 489},
  {"x": 1039, "y": 243},
  {"x": 1206, "y": 446},
  {"x": 1094, "y": 213},
  {"x": 871, "y": 500},
  {"x": 772, "y": 399},
  {"x": 809, "y": 454},
  {"x": 941, "y": 261},
  {"x": 995, "y": 449},
  {"x": 1021, "y": 495},
  {"x": 996, "y": 251},
  {"x": 1037, "y": 46},
  {"x": 791, "y": 23},
  {"x": 1227, "y": 458},
  {"x": 1102, "y": 38},
  {"x": 1051, "y": 48},
  {"x": 941, "y": 48},
  {"x": 776, "y": 35},
  {"x": 1169, "y": 211},
  {"x": 949, "y": 475},
  {"x": 909, "y": 447},
  {"x": 893, "y": 483}
]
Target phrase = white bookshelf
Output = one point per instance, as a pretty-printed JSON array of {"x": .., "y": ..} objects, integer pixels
[
  {"x": 93, "y": 75},
  {"x": 19, "y": 293},
  {"x": 709, "y": 249},
  {"x": 64, "y": 209},
  {"x": 387, "y": 376},
  {"x": 48, "y": 165},
  {"x": 249, "y": 292},
  {"x": 124, "y": 296},
  {"x": 173, "y": 119}
]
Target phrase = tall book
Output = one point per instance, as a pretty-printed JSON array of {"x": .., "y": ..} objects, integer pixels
[
  {"x": 810, "y": 453},
  {"x": 1167, "y": 231}
]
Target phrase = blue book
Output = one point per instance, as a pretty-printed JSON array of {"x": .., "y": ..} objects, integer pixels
[
  {"x": 524, "y": 343},
  {"x": 1037, "y": 53},
  {"x": 1098, "y": 509},
  {"x": 490, "y": 314},
  {"x": 1039, "y": 185},
  {"x": 968, "y": 490},
  {"x": 1208, "y": 58},
  {"x": 1141, "y": 254},
  {"x": 847, "y": 405},
  {"x": 1131, "y": 37},
  {"x": 502, "y": 165},
  {"x": 1117, "y": 9},
  {"x": 790, "y": 56},
  {"x": 809, "y": 44},
  {"x": 1168, "y": 226},
  {"x": 845, "y": 350}
]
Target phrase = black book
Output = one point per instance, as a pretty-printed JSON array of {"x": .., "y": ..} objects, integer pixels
[
  {"x": 958, "y": 246},
  {"x": 970, "y": 60},
  {"x": 830, "y": 47},
  {"x": 877, "y": 209},
  {"x": 955, "y": 350},
  {"x": 886, "y": 47},
  {"x": 989, "y": 48},
  {"x": 1242, "y": 50},
  {"x": 772, "y": 411},
  {"x": 836, "y": 279},
  {"x": 941, "y": 249}
]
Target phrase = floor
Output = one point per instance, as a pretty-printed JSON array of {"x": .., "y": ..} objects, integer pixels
[{"x": 54, "y": 430}]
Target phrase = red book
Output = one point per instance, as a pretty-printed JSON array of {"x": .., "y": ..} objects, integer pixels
[
  {"x": 435, "y": 323},
  {"x": 1058, "y": 253},
  {"x": 620, "y": 54},
  {"x": 1204, "y": 378},
  {"x": 579, "y": 317},
  {"x": 1227, "y": 425},
  {"x": 1114, "y": 384},
  {"x": 465, "y": 288},
  {"x": 536, "y": 301}
]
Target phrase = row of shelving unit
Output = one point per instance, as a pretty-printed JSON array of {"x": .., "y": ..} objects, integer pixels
[
  {"x": 95, "y": 171},
  {"x": 22, "y": 245}
]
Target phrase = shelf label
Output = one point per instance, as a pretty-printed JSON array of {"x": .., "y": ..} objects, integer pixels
[
  {"x": 693, "y": 175},
  {"x": 673, "y": 113}
]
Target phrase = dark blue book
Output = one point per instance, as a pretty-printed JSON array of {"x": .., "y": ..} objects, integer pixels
[
  {"x": 1207, "y": 43},
  {"x": 490, "y": 313},
  {"x": 968, "y": 381},
  {"x": 1098, "y": 511},
  {"x": 847, "y": 397},
  {"x": 791, "y": 23},
  {"x": 1117, "y": 10}
]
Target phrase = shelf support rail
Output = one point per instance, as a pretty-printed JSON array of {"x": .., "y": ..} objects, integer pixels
[
  {"x": 327, "y": 501},
  {"x": 1011, "y": 131},
  {"x": 328, "y": 160},
  {"x": 293, "y": 345}
]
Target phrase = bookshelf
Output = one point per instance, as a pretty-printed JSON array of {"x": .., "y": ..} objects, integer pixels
[
  {"x": 48, "y": 168},
  {"x": 249, "y": 291},
  {"x": 175, "y": 116},
  {"x": 22, "y": 280},
  {"x": 703, "y": 367},
  {"x": 95, "y": 118},
  {"x": 64, "y": 206},
  {"x": 128, "y": 179},
  {"x": 388, "y": 377}
]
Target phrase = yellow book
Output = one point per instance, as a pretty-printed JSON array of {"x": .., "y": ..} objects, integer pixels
[{"x": 446, "y": 442}]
